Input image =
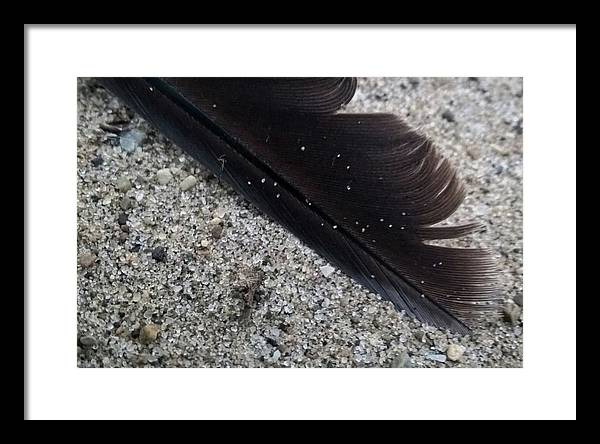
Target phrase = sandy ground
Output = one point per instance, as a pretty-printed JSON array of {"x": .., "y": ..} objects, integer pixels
[{"x": 199, "y": 278}]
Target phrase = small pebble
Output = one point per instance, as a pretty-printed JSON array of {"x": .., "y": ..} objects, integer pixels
[
  {"x": 421, "y": 336},
  {"x": 474, "y": 153},
  {"x": 216, "y": 231},
  {"x": 401, "y": 361},
  {"x": 512, "y": 313},
  {"x": 518, "y": 127},
  {"x": 188, "y": 183},
  {"x": 414, "y": 82},
  {"x": 87, "y": 260},
  {"x": 219, "y": 213},
  {"x": 87, "y": 341},
  {"x": 148, "y": 333},
  {"x": 122, "y": 219},
  {"x": 97, "y": 161},
  {"x": 123, "y": 184},
  {"x": 327, "y": 270},
  {"x": 130, "y": 140},
  {"x": 448, "y": 116},
  {"x": 126, "y": 203},
  {"x": 437, "y": 357},
  {"x": 518, "y": 299},
  {"x": 159, "y": 254},
  {"x": 455, "y": 352},
  {"x": 204, "y": 243},
  {"x": 164, "y": 176}
]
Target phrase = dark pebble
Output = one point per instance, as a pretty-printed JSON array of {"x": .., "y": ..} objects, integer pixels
[
  {"x": 447, "y": 115},
  {"x": 97, "y": 161},
  {"x": 126, "y": 203},
  {"x": 159, "y": 254},
  {"x": 421, "y": 336},
  {"x": 87, "y": 341},
  {"x": 414, "y": 82},
  {"x": 135, "y": 333},
  {"x": 135, "y": 248},
  {"x": 216, "y": 231},
  {"x": 518, "y": 300},
  {"x": 473, "y": 79},
  {"x": 125, "y": 228},
  {"x": 518, "y": 128},
  {"x": 122, "y": 219}
]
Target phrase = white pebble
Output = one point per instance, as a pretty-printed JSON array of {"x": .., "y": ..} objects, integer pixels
[
  {"x": 164, "y": 176},
  {"x": 130, "y": 140},
  {"x": 219, "y": 213},
  {"x": 123, "y": 184},
  {"x": 188, "y": 183},
  {"x": 455, "y": 352},
  {"x": 327, "y": 270}
]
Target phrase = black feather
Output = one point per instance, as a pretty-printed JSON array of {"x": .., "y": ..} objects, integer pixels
[{"x": 363, "y": 190}]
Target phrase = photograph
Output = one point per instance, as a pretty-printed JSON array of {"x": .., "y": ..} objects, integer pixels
[{"x": 310, "y": 222}]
